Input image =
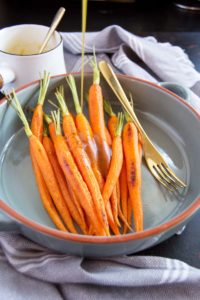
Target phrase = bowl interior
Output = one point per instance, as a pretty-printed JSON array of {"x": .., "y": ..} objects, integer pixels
[{"x": 172, "y": 126}]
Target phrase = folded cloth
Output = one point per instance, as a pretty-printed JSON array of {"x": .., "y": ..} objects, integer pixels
[
  {"x": 29, "y": 271},
  {"x": 142, "y": 57}
]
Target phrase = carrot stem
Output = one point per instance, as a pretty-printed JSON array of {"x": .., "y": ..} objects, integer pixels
[
  {"x": 72, "y": 84},
  {"x": 44, "y": 83}
]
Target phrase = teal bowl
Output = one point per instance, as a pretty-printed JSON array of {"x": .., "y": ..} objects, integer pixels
[{"x": 174, "y": 128}]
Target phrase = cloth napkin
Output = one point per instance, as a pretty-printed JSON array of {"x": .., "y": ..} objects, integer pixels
[{"x": 29, "y": 271}]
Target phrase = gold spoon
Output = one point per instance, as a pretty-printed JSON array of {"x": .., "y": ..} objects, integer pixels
[{"x": 54, "y": 24}]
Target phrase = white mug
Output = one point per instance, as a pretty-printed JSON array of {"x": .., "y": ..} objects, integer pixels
[{"x": 20, "y": 62}]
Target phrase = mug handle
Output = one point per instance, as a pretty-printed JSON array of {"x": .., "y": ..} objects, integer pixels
[
  {"x": 7, "y": 224},
  {"x": 7, "y": 75}
]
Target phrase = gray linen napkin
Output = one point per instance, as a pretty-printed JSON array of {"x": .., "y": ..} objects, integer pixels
[{"x": 29, "y": 271}]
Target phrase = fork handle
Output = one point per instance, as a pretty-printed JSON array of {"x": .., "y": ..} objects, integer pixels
[{"x": 113, "y": 82}]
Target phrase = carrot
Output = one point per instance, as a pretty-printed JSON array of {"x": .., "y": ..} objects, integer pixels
[
  {"x": 74, "y": 178},
  {"x": 49, "y": 147},
  {"x": 37, "y": 129},
  {"x": 81, "y": 158},
  {"x": 37, "y": 119},
  {"x": 86, "y": 136},
  {"x": 96, "y": 114},
  {"x": 45, "y": 196},
  {"x": 114, "y": 205},
  {"x": 85, "y": 133},
  {"x": 44, "y": 165},
  {"x": 116, "y": 162},
  {"x": 108, "y": 137},
  {"x": 133, "y": 168},
  {"x": 124, "y": 192},
  {"x": 129, "y": 213},
  {"x": 52, "y": 131},
  {"x": 112, "y": 125}
]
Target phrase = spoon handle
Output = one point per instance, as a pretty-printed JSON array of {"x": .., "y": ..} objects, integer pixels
[{"x": 53, "y": 26}]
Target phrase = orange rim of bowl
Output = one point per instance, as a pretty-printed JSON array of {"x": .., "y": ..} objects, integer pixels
[{"x": 100, "y": 239}]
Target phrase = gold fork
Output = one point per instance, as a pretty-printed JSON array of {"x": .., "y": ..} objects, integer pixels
[{"x": 156, "y": 163}]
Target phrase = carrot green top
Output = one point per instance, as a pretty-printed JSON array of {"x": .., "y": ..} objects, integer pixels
[
  {"x": 56, "y": 120},
  {"x": 44, "y": 83},
  {"x": 96, "y": 72},
  {"x": 14, "y": 102},
  {"x": 108, "y": 108},
  {"x": 47, "y": 119},
  {"x": 61, "y": 101},
  {"x": 72, "y": 84},
  {"x": 120, "y": 124}
]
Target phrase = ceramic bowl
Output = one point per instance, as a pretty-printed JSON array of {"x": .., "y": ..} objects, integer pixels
[{"x": 172, "y": 125}]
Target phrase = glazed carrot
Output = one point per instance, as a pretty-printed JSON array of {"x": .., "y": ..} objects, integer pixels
[
  {"x": 112, "y": 125},
  {"x": 52, "y": 131},
  {"x": 114, "y": 205},
  {"x": 37, "y": 119},
  {"x": 81, "y": 158},
  {"x": 75, "y": 179},
  {"x": 85, "y": 133},
  {"x": 96, "y": 114},
  {"x": 37, "y": 129},
  {"x": 116, "y": 162},
  {"x": 44, "y": 165},
  {"x": 124, "y": 192},
  {"x": 108, "y": 137},
  {"x": 49, "y": 147},
  {"x": 46, "y": 198},
  {"x": 133, "y": 168},
  {"x": 129, "y": 213},
  {"x": 111, "y": 220}
]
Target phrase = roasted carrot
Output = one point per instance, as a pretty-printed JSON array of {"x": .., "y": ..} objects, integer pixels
[
  {"x": 49, "y": 147},
  {"x": 108, "y": 137},
  {"x": 82, "y": 159},
  {"x": 46, "y": 198},
  {"x": 86, "y": 136},
  {"x": 129, "y": 213},
  {"x": 124, "y": 192},
  {"x": 114, "y": 205},
  {"x": 52, "y": 131},
  {"x": 37, "y": 119},
  {"x": 37, "y": 129},
  {"x": 116, "y": 162},
  {"x": 96, "y": 114},
  {"x": 133, "y": 168},
  {"x": 85, "y": 133},
  {"x": 44, "y": 165},
  {"x": 75, "y": 179}
]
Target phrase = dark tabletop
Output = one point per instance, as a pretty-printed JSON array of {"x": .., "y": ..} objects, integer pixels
[{"x": 158, "y": 18}]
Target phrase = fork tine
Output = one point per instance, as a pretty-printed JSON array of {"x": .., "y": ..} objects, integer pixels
[
  {"x": 157, "y": 176},
  {"x": 166, "y": 177},
  {"x": 173, "y": 175}
]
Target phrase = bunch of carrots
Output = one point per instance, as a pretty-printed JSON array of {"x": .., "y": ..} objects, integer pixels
[{"x": 88, "y": 173}]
